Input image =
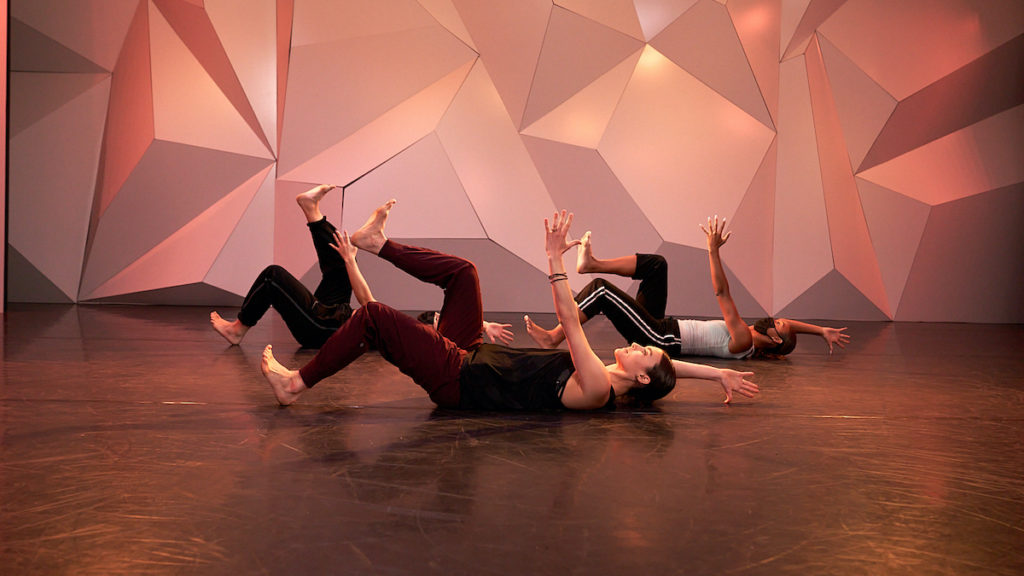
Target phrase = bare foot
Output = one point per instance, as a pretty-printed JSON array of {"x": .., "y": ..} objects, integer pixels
[
  {"x": 585, "y": 261},
  {"x": 543, "y": 338},
  {"x": 371, "y": 236},
  {"x": 287, "y": 384},
  {"x": 309, "y": 202},
  {"x": 233, "y": 332}
]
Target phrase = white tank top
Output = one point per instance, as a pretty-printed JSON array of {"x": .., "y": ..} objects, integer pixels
[{"x": 707, "y": 338}]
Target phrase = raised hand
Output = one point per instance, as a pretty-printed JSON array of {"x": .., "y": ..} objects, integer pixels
[
  {"x": 556, "y": 233},
  {"x": 343, "y": 245},
  {"x": 715, "y": 231}
]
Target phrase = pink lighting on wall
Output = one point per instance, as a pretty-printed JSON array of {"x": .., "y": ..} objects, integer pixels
[{"x": 866, "y": 152}]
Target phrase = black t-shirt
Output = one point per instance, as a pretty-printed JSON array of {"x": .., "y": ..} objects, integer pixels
[{"x": 496, "y": 377}]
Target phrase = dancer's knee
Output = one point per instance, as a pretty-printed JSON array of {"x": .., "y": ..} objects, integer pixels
[
  {"x": 650, "y": 266},
  {"x": 658, "y": 262},
  {"x": 465, "y": 277},
  {"x": 273, "y": 272}
]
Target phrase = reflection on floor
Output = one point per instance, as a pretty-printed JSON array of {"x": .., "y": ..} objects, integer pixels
[{"x": 134, "y": 440}]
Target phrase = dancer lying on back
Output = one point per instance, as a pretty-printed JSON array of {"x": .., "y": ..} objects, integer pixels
[
  {"x": 458, "y": 370},
  {"x": 642, "y": 319}
]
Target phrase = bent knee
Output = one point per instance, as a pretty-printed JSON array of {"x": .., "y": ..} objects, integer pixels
[
  {"x": 467, "y": 273},
  {"x": 657, "y": 261},
  {"x": 273, "y": 271}
]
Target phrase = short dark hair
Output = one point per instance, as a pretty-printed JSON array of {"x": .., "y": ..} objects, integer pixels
[
  {"x": 663, "y": 381},
  {"x": 788, "y": 340}
]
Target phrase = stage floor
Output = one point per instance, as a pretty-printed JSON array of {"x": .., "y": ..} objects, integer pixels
[{"x": 134, "y": 440}]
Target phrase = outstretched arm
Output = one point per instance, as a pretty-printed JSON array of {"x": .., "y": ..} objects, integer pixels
[
  {"x": 832, "y": 336},
  {"x": 740, "y": 339},
  {"x": 730, "y": 380},
  {"x": 348, "y": 251},
  {"x": 591, "y": 387}
]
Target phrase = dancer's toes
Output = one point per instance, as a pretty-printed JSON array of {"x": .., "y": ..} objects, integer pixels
[
  {"x": 313, "y": 195},
  {"x": 286, "y": 384},
  {"x": 585, "y": 255},
  {"x": 542, "y": 337},
  {"x": 231, "y": 331},
  {"x": 370, "y": 236},
  {"x": 309, "y": 202}
]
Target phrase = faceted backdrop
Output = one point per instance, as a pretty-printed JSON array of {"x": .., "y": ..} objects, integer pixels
[{"x": 868, "y": 154}]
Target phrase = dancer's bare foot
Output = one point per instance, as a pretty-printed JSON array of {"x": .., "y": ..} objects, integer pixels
[
  {"x": 371, "y": 236},
  {"x": 233, "y": 332},
  {"x": 543, "y": 338},
  {"x": 585, "y": 261},
  {"x": 309, "y": 202},
  {"x": 287, "y": 384}
]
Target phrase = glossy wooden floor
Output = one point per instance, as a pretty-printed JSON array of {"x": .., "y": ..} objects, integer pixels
[{"x": 135, "y": 441}]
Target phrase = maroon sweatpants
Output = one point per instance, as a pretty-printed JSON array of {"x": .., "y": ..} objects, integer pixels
[{"x": 432, "y": 358}]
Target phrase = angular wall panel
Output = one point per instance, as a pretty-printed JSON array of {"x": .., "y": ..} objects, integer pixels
[
  {"x": 574, "y": 178},
  {"x": 618, "y": 14},
  {"x": 36, "y": 52},
  {"x": 94, "y": 29},
  {"x": 190, "y": 106},
  {"x": 655, "y": 15},
  {"x": 130, "y": 128},
  {"x": 896, "y": 223},
  {"x": 852, "y": 251},
  {"x": 447, "y": 15},
  {"x": 682, "y": 149},
  {"x": 801, "y": 254},
  {"x": 439, "y": 208},
  {"x": 250, "y": 248},
  {"x": 392, "y": 131},
  {"x": 817, "y": 12},
  {"x": 52, "y": 224},
  {"x": 581, "y": 120},
  {"x": 749, "y": 252},
  {"x": 576, "y": 51},
  {"x": 185, "y": 256},
  {"x": 757, "y": 24},
  {"x": 833, "y": 297},
  {"x": 850, "y": 144},
  {"x": 704, "y": 42},
  {"x": 862, "y": 105},
  {"x": 910, "y": 44},
  {"x": 152, "y": 206},
  {"x": 981, "y": 157},
  {"x": 26, "y": 283},
  {"x": 193, "y": 26},
  {"x": 953, "y": 103},
  {"x": 35, "y": 95},
  {"x": 489, "y": 156},
  {"x": 247, "y": 34},
  {"x": 364, "y": 78},
  {"x": 973, "y": 249},
  {"x": 508, "y": 36}
]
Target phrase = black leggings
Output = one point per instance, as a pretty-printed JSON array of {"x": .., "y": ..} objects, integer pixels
[
  {"x": 641, "y": 319},
  {"x": 310, "y": 317}
]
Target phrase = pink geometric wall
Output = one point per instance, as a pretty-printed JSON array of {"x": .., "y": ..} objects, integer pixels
[{"x": 868, "y": 154}]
